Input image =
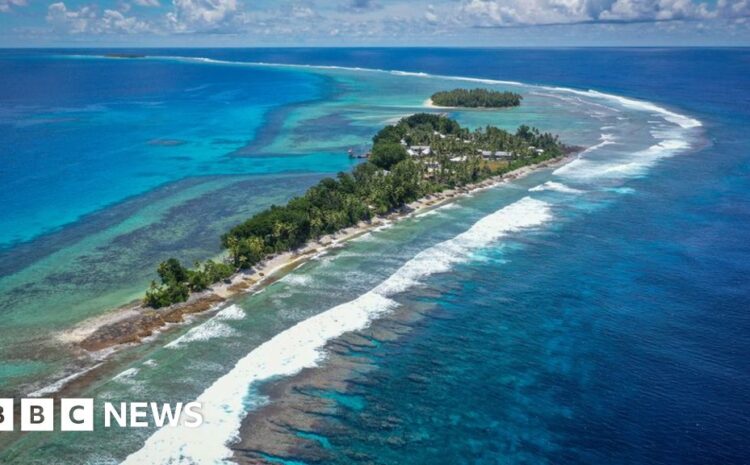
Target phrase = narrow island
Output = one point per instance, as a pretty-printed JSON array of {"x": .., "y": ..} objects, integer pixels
[
  {"x": 476, "y": 98},
  {"x": 421, "y": 162},
  {"x": 421, "y": 155}
]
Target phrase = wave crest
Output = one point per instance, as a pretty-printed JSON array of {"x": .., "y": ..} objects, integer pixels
[{"x": 301, "y": 346}]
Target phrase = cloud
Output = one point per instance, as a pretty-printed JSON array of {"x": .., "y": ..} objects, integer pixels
[
  {"x": 6, "y": 5},
  {"x": 390, "y": 21},
  {"x": 87, "y": 20},
  {"x": 657, "y": 10},
  {"x": 113, "y": 21},
  {"x": 147, "y": 2},
  {"x": 186, "y": 16},
  {"x": 430, "y": 16},
  {"x": 499, "y": 13},
  {"x": 74, "y": 22},
  {"x": 516, "y": 12},
  {"x": 302, "y": 12},
  {"x": 734, "y": 8},
  {"x": 202, "y": 15}
]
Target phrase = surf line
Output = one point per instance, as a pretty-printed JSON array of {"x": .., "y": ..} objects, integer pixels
[
  {"x": 302, "y": 346},
  {"x": 684, "y": 121}
]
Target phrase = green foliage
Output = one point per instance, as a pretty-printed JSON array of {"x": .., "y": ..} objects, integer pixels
[
  {"x": 177, "y": 282},
  {"x": 174, "y": 285},
  {"x": 172, "y": 271},
  {"x": 476, "y": 98},
  {"x": 250, "y": 250},
  {"x": 198, "y": 280},
  {"x": 207, "y": 273},
  {"x": 388, "y": 181},
  {"x": 433, "y": 122},
  {"x": 404, "y": 184},
  {"x": 390, "y": 134},
  {"x": 386, "y": 154}
]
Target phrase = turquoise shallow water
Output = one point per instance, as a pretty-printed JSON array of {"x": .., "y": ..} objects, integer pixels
[
  {"x": 186, "y": 159},
  {"x": 572, "y": 315}
]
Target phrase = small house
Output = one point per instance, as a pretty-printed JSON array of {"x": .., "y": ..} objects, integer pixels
[{"x": 419, "y": 150}]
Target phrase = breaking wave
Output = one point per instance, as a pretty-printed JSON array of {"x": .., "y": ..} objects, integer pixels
[
  {"x": 641, "y": 105},
  {"x": 302, "y": 345},
  {"x": 213, "y": 328},
  {"x": 556, "y": 187},
  {"x": 632, "y": 165}
]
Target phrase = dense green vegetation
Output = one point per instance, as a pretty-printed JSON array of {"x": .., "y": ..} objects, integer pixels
[
  {"x": 476, "y": 98},
  {"x": 390, "y": 179},
  {"x": 177, "y": 282},
  {"x": 387, "y": 154}
]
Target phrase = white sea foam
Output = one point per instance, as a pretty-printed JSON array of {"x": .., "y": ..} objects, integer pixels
[
  {"x": 301, "y": 346},
  {"x": 681, "y": 120},
  {"x": 633, "y": 165},
  {"x": 676, "y": 118},
  {"x": 62, "y": 382},
  {"x": 525, "y": 213},
  {"x": 208, "y": 330},
  {"x": 450, "y": 206},
  {"x": 213, "y": 328},
  {"x": 646, "y": 158},
  {"x": 556, "y": 187},
  {"x": 442, "y": 209},
  {"x": 432, "y": 212},
  {"x": 126, "y": 375},
  {"x": 641, "y": 105},
  {"x": 576, "y": 100},
  {"x": 606, "y": 139},
  {"x": 287, "y": 353},
  {"x": 297, "y": 279},
  {"x": 574, "y": 166},
  {"x": 233, "y": 312}
]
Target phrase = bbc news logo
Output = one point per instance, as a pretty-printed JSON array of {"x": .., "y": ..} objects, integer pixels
[{"x": 79, "y": 414}]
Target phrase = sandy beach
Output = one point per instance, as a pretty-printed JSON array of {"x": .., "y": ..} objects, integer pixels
[
  {"x": 429, "y": 104},
  {"x": 131, "y": 324}
]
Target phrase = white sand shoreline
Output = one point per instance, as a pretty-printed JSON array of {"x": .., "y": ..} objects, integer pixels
[
  {"x": 105, "y": 334},
  {"x": 431, "y": 105},
  {"x": 271, "y": 269}
]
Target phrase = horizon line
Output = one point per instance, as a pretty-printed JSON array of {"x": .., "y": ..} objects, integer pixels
[{"x": 345, "y": 47}]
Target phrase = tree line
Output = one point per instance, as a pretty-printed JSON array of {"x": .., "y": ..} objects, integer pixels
[
  {"x": 476, "y": 98},
  {"x": 388, "y": 180}
]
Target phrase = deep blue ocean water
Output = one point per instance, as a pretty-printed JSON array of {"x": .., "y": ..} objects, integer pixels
[
  {"x": 618, "y": 335},
  {"x": 620, "y": 339}
]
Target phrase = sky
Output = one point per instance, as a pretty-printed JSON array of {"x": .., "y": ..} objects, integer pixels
[{"x": 486, "y": 23}]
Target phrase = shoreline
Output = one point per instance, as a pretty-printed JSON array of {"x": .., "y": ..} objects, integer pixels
[
  {"x": 429, "y": 104},
  {"x": 117, "y": 327},
  {"x": 131, "y": 324},
  {"x": 272, "y": 428}
]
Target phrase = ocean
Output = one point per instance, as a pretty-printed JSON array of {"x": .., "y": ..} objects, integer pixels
[{"x": 594, "y": 312}]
